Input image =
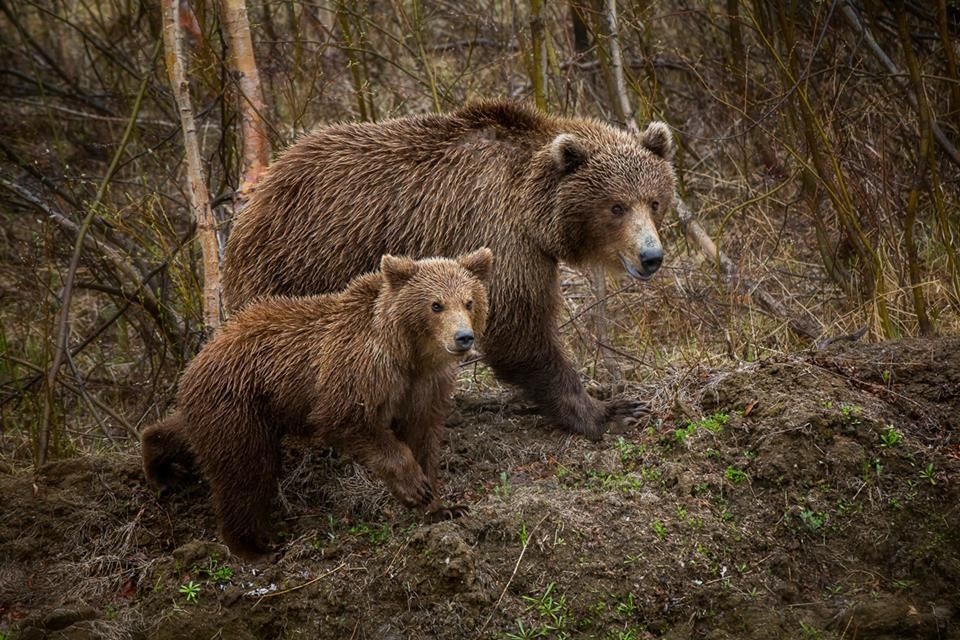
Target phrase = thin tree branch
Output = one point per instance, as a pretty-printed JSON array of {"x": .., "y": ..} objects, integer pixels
[
  {"x": 240, "y": 55},
  {"x": 113, "y": 318},
  {"x": 73, "y": 389},
  {"x": 63, "y": 320},
  {"x": 92, "y": 242},
  {"x": 735, "y": 281},
  {"x": 616, "y": 68},
  {"x": 899, "y": 76}
]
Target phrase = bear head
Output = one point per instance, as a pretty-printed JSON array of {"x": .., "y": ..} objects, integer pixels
[
  {"x": 439, "y": 303},
  {"x": 610, "y": 189}
]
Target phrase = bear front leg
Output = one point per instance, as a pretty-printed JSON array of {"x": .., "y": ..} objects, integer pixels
[
  {"x": 421, "y": 429},
  {"x": 548, "y": 379},
  {"x": 392, "y": 461},
  {"x": 423, "y": 433},
  {"x": 242, "y": 472}
]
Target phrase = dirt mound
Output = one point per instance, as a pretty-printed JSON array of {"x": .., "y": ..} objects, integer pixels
[{"x": 814, "y": 495}]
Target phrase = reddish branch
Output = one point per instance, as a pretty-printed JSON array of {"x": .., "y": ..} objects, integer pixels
[{"x": 256, "y": 144}]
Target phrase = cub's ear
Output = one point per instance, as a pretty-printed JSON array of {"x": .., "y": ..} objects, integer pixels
[
  {"x": 658, "y": 139},
  {"x": 397, "y": 270},
  {"x": 479, "y": 263},
  {"x": 568, "y": 152}
]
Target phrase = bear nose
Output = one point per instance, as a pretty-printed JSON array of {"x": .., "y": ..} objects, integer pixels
[
  {"x": 651, "y": 260},
  {"x": 464, "y": 339}
]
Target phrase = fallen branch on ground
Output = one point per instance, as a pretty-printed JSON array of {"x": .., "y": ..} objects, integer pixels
[{"x": 732, "y": 277}]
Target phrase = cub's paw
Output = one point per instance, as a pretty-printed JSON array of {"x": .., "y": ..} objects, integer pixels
[
  {"x": 250, "y": 549},
  {"x": 446, "y": 513}
]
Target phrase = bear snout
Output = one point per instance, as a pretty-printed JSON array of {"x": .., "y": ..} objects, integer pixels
[
  {"x": 650, "y": 261},
  {"x": 463, "y": 338},
  {"x": 647, "y": 263}
]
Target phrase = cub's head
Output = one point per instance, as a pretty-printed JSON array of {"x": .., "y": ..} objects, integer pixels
[
  {"x": 610, "y": 188},
  {"x": 441, "y": 303}
]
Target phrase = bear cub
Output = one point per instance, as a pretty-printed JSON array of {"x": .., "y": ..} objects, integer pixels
[{"x": 368, "y": 371}]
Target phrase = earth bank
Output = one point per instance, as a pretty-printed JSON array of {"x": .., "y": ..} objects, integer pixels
[{"x": 815, "y": 495}]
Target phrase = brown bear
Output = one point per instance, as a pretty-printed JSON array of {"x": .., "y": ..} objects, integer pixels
[
  {"x": 535, "y": 188},
  {"x": 368, "y": 371}
]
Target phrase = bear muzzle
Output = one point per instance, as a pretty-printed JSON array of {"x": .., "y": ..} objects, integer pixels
[
  {"x": 463, "y": 341},
  {"x": 648, "y": 263}
]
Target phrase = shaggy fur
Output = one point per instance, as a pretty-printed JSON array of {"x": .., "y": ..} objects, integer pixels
[
  {"x": 537, "y": 189},
  {"x": 368, "y": 371}
]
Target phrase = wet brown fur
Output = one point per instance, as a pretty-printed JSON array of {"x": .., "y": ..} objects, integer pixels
[
  {"x": 495, "y": 173},
  {"x": 368, "y": 371}
]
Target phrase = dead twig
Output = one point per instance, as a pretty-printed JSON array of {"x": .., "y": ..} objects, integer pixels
[
  {"x": 299, "y": 586},
  {"x": 734, "y": 280},
  {"x": 516, "y": 567},
  {"x": 106, "y": 324},
  {"x": 899, "y": 76},
  {"x": 75, "y": 390}
]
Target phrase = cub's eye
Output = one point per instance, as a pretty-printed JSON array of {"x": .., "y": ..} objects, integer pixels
[
  {"x": 469, "y": 305},
  {"x": 617, "y": 210},
  {"x": 437, "y": 307},
  {"x": 654, "y": 205}
]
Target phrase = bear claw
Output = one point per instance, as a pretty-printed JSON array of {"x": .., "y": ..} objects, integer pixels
[
  {"x": 446, "y": 513},
  {"x": 624, "y": 408},
  {"x": 426, "y": 493}
]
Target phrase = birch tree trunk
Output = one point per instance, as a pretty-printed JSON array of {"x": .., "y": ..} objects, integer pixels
[
  {"x": 243, "y": 64},
  {"x": 538, "y": 42},
  {"x": 198, "y": 191},
  {"x": 616, "y": 68}
]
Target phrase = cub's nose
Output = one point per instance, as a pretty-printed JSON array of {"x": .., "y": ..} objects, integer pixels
[
  {"x": 651, "y": 260},
  {"x": 463, "y": 339}
]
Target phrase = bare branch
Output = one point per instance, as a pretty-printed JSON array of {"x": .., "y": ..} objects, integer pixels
[
  {"x": 616, "y": 68},
  {"x": 199, "y": 193},
  {"x": 899, "y": 77},
  {"x": 63, "y": 320},
  {"x": 734, "y": 281}
]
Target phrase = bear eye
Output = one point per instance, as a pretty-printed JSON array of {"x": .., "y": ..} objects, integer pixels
[
  {"x": 437, "y": 307},
  {"x": 617, "y": 210},
  {"x": 469, "y": 305},
  {"x": 655, "y": 205}
]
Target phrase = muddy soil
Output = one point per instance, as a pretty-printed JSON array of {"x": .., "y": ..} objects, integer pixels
[{"x": 807, "y": 496}]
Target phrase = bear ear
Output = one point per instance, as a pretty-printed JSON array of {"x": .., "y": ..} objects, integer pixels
[
  {"x": 479, "y": 263},
  {"x": 568, "y": 152},
  {"x": 397, "y": 270},
  {"x": 658, "y": 139}
]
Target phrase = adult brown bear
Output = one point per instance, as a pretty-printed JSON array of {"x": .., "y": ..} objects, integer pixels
[
  {"x": 368, "y": 371},
  {"x": 535, "y": 188}
]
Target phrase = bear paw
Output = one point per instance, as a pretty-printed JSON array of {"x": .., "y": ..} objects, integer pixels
[
  {"x": 624, "y": 412},
  {"x": 414, "y": 494}
]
